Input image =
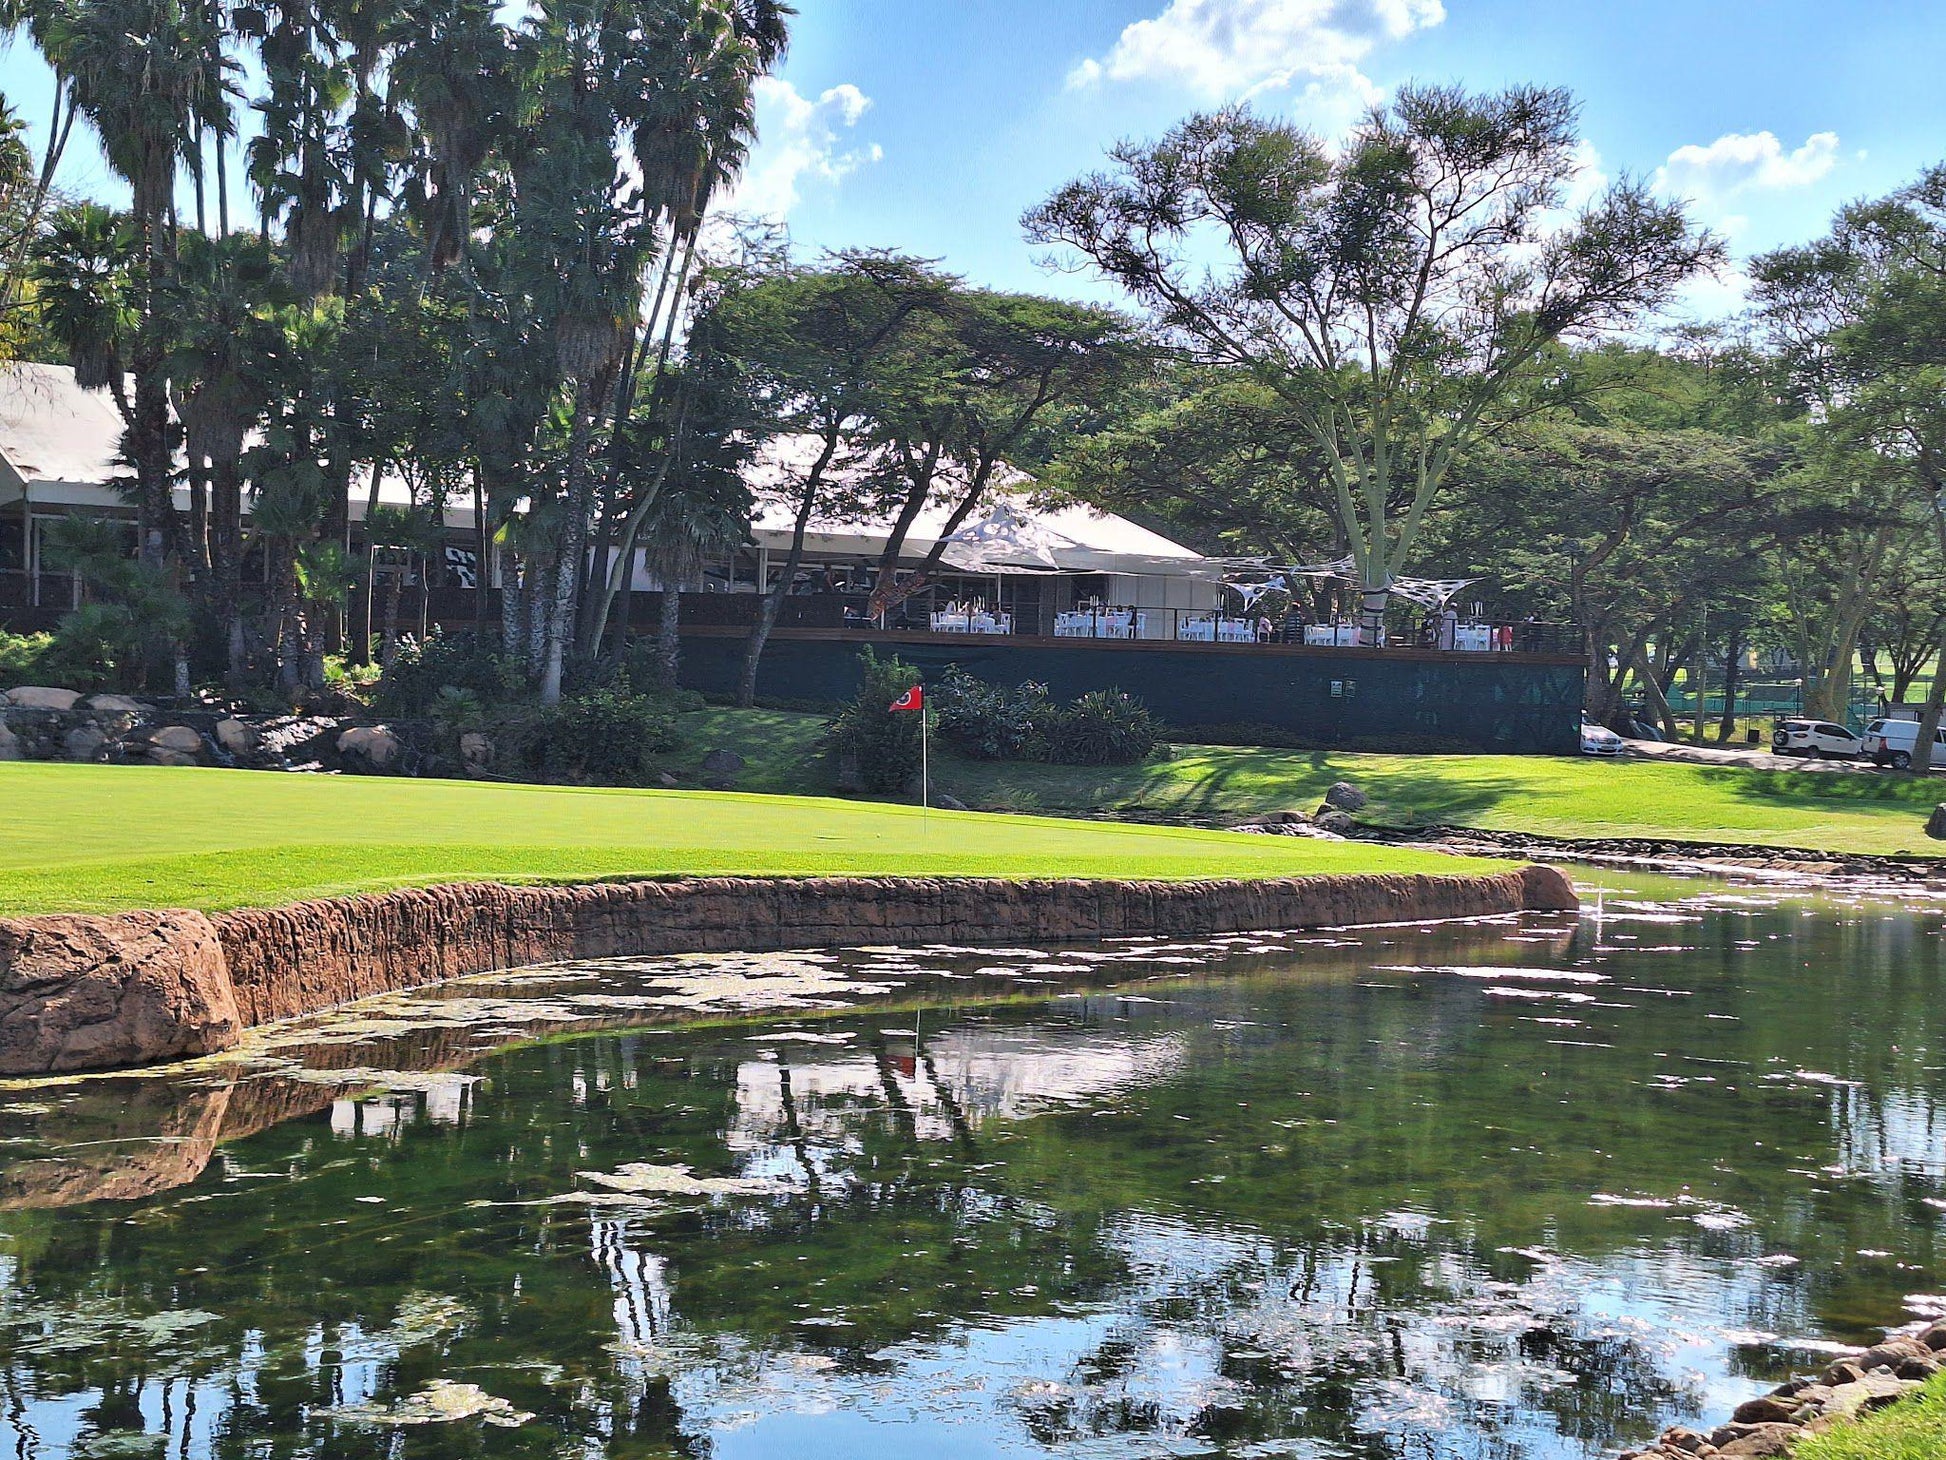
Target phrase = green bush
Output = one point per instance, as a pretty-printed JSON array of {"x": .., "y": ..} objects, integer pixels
[
  {"x": 98, "y": 646},
  {"x": 867, "y": 739},
  {"x": 985, "y": 722},
  {"x": 21, "y": 656},
  {"x": 1103, "y": 727},
  {"x": 602, "y": 738},
  {"x": 423, "y": 667}
]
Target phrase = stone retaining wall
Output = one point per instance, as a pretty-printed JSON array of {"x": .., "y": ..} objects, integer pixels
[{"x": 90, "y": 993}]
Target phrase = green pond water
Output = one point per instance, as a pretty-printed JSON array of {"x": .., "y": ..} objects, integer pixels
[{"x": 1521, "y": 1188}]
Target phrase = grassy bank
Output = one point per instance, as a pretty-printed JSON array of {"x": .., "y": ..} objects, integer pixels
[
  {"x": 100, "y": 838},
  {"x": 1912, "y": 1430},
  {"x": 1563, "y": 797}
]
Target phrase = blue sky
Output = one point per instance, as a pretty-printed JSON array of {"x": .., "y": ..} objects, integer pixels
[
  {"x": 1766, "y": 115},
  {"x": 930, "y": 125}
]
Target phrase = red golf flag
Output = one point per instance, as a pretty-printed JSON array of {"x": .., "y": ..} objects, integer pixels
[{"x": 912, "y": 699}]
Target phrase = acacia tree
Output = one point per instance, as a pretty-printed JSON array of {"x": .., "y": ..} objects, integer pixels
[
  {"x": 1862, "y": 316},
  {"x": 1395, "y": 293},
  {"x": 963, "y": 393}
]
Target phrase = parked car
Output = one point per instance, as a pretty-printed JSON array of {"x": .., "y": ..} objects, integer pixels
[
  {"x": 1890, "y": 742},
  {"x": 1599, "y": 739},
  {"x": 1816, "y": 738}
]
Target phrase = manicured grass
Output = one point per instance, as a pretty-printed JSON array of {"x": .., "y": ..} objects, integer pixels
[
  {"x": 99, "y": 838},
  {"x": 1549, "y": 796},
  {"x": 1914, "y": 1429}
]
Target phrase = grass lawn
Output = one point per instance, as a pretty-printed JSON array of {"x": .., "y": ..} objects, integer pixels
[
  {"x": 101, "y": 838},
  {"x": 1553, "y": 796},
  {"x": 1566, "y": 797},
  {"x": 1912, "y": 1430}
]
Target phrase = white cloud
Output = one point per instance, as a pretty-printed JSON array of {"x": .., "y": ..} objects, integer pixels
[
  {"x": 801, "y": 141},
  {"x": 1742, "y": 161},
  {"x": 1240, "y": 47}
]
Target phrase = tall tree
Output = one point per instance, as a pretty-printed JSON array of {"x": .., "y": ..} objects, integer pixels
[{"x": 1395, "y": 292}]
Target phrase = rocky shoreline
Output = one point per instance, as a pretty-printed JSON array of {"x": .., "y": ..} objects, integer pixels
[
  {"x": 1772, "y": 1424},
  {"x": 110, "y": 992}
]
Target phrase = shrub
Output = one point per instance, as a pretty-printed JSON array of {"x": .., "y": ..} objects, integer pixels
[
  {"x": 882, "y": 748},
  {"x": 604, "y": 737},
  {"x": 97, "y": 646},
  {"x": 21, "y": 656},
  {"x": 986, "y": 722},
  {"x": 423, "y": 667},
  {"x": 1104, "y": 727}
]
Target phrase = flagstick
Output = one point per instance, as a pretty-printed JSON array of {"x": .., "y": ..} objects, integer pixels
[{"x": 925, "y": 772}]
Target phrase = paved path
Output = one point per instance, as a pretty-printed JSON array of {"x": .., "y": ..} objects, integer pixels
[{"x": 1750, "y": 759}]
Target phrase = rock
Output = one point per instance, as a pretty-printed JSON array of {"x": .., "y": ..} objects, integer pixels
[
  {"x": 1934, "y": 1337},
  {"x": 178, "y": 738},
  {"x": 949, "y": 803},
  {"x": 1843, "y": 1371},
  {"x": 719, "y": 783},
  {"x": 237, "y": 738},
  {"x": 113, "y": 705},
  {"x": 370, "y": 747},
  {"x": 1687, "y": 1441},
  {"x": 1766, "y": 1411},
  {"x": 35, "y": 697},
  {"x": 9, "y": 743},
  {"x": 163, "y": 755},
  {"x": 1346, "y": 797},
  {"x": 83, "y": 743},
  {"x": 667, "y": 781},
  {"x": 1337, "y": 822},
  {"x": 90, "y": 993},
  {"x": 1284, "y": 818},
  {"x": 1936, "y": 824},
  {"x": 1763, "y": 1440},
  {"x": 723, "y": 762},
  {"x": 1873, "y": 1391},
  {"x": 476, "y": 750},
  {"x": 1917, "y": 1367},
  {"x": 1891, "y": 1353}
]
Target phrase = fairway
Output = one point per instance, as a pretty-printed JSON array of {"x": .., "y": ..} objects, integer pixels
[
  {"x": 103, "y": 838},
  {"x": 1542, "y": 795}
]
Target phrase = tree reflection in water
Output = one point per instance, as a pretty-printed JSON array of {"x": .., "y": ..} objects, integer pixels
[{"x": 1260, "y": 1196}]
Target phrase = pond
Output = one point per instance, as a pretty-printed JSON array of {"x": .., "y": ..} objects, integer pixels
[{"x": 1527, "y": 1187}]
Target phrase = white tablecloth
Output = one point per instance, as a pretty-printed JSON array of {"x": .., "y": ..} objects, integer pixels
[
  {"x": 1338, "y": 636},
  {"x": 1218, "y": 630},
  {"x": 1475, "y": 638},
  {"x": 972, "y": 623},
  {"x": 1109, "y": 623}
]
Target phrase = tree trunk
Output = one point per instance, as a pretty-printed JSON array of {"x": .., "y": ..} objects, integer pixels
[
  {"x": 569, "y": 564},
  {"x": 668, "y": 637},
  {"x": 1732, "y": 682},
  {"x": 1658, "y": 702},
  {"x": 773, "y": 598},
  {"x": 1929, "y": 718},
  {"x": 226, "y": 561},
  {"x": 388, "y": 646}
]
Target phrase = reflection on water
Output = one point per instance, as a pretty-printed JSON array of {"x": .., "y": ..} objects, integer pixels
[{"x": 1531, "y": 1187}]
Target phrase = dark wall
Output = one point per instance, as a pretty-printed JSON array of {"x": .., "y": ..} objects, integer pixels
[{"x": 1491, "y": 702}]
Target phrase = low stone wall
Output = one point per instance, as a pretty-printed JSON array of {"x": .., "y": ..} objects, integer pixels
[{"x": 91, "y": 993}]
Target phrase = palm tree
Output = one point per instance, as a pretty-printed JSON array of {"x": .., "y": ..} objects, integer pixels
[
  {"x": 705, "y": 516},
  {"x": 149, "y": 76}
]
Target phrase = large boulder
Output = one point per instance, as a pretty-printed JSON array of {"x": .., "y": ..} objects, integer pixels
[
  {"x": 722, "y": 763},
  {"x": 9, "y": 743},
  {"x": 113, "y": 705},
  {"x": 370, "y": 748},
  {"x": 476, "y": 753},
  {"x": 1346, "y": 797},
  {"x": 177, "y": 737},
  {"x": 84, "y": 743},
  {"x": 94, "y": 993},
  {"x": 39, "y": 697},
  {"x": 1936, "y": 824},
  {"x": 237, "y": 738}
]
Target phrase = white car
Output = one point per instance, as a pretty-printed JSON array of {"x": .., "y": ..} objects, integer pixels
[
  {"x": 1816, "y": 738},
  {"x": 1891, "y": 742},
  {"x": 1599, "y": 739}
]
